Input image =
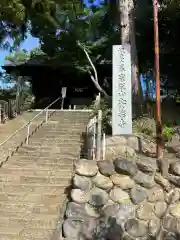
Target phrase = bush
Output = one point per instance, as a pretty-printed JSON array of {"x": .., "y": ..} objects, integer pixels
[
  {"x": 146, "y": 126},
  {"x": 168, "y": 132},
  {"x": 106, "y": 107}
]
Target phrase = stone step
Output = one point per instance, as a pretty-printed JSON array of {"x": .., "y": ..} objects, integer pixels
[
  {"x": 10, "y": 233},
  {"x": 66, "y": 118},
  {"x": 62, "y": 154},
  {"x": 31, "y": 185},
  {"x": 68, "y": 127},
  {"x": 61, "y": 125},
  {"x": 19, "y": 159},
  {"x": 34, "y": 198},
  {"x": 51, "y": 150},
  {"x": 54, "y": 172},
  {"x": 33, "y": 188},
  {"x": 40, "y": 164},
  {"x": 72, "y": 112},
  {"x": 36, "y": 144},
  {"x": 12, "y": 144},
  {"x": 44, "y": 221},
  {"x": 21, "y": 233},
  {"x": 59, "y": 131},
  {"x": 70, "y": 116},
  {"x": 65, "y": 122},
  {"x": 14, "y": 208},
  {"x": 60, "y": 134},
  {"x": 51, "y": 146},
  {"x": 35, "y": 179},
  {"x": 31, "y": 167},
  {"x": 61, "y": 128},
  {"x": 59, "y": 138}
]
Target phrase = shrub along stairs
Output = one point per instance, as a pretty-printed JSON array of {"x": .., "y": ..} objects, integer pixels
[{"x": 34, "y": 180}]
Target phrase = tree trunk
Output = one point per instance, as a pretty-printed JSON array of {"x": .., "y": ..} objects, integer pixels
[
  {"x": 124, "y": 21},
  {"x": 126, "y": 9}
]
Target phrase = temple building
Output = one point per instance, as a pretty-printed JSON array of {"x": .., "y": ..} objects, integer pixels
[{"x": 47, "y": 80}]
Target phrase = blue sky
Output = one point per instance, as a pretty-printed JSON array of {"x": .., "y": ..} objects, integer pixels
[
  {"x": 28, "y": 44},
  {"x": 31, "y": 42}
]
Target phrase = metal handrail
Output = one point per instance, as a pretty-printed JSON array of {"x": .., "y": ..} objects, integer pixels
[{"x": 28, "y": 124}]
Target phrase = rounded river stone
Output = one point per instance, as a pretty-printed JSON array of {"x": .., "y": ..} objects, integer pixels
[
  {"x": 124, "y": 166},
  {"x": 102, "y": 182},
  {"x": 136, "y": 228},
  {"x": 138, "y": 194},
  {"x": 75, "y": 210},
  {"x": 71, "y": 228},
  {"x": 81, "y": 182},
  {"x": 106, "y": 167},
  {"x": 79, "y": 196},
  {"x": 119, "y": 196},
  {"x": 86, "y": 168},
  {"x": 122, "y": 181},
  {"x": 98, "y": 197}
]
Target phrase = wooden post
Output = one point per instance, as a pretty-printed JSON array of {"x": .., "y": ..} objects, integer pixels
[
  {"x": 157, "y": 74},
  {"x": 99, "y": 129}
]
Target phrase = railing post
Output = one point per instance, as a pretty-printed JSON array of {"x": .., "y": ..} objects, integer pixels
[
  {"x": 62, "y": 104},
  {"x": 46, "y": 115},
  {"x": 94, "y": 138},
  {"x": 28, "y": 133},
  {"x": 99, "y": 129},
  {"x": 104, "y": 147}
]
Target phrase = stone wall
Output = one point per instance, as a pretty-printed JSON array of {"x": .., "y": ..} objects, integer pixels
[
  {"x": 128, "y": 147},
  {"x": 123, "y": 199}
]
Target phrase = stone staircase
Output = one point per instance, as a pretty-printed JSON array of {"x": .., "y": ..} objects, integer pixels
[{"x": 34, "y": 181}]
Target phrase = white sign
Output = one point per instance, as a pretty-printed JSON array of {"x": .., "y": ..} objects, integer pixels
[
  {"x": 122, "y": 91},
  {"x": 63, "y": 92}
]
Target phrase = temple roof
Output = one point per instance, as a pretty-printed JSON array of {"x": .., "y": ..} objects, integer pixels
[{"x": 25, "y": 67}]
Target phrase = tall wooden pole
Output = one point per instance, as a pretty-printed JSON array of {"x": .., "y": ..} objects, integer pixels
[{"x": 157, "y": 74}]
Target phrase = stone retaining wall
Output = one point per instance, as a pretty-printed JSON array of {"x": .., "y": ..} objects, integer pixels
[{"x": 123, "y": 199}]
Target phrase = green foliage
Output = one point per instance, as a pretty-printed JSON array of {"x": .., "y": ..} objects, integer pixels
[
  {"x": 28, "y": 99},
  {"x": 62, "y": 24},
  {"x": 147, "y": 127},
  {"x": 79, "y": 25},
  {"x": 19, "y": 56},
  {"x": 169, "y": 38},
  {"x": 105, "y": 106},
  {"x": 178, "y": 122},
  {"x": 144, "y": 126},
  {"x": 168, "y": 132},
  {"x": 36, "y": 52}
]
